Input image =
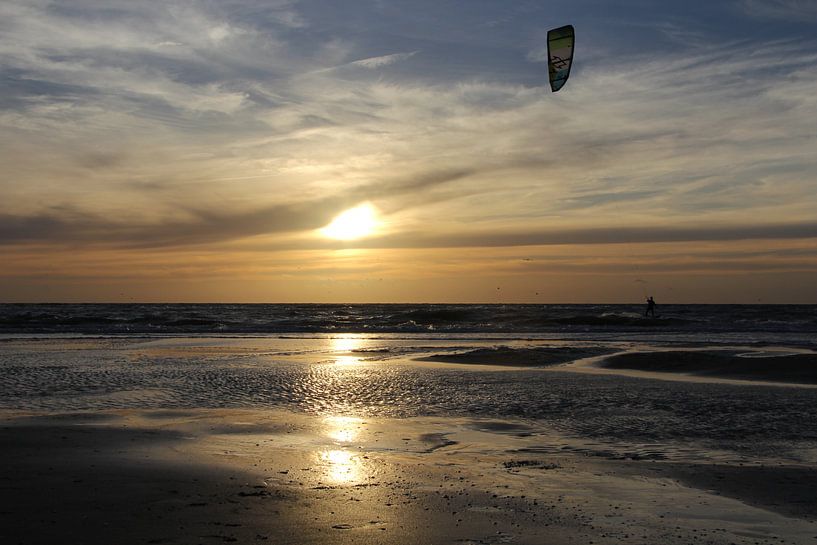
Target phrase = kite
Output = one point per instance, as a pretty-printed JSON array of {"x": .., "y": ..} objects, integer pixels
[{"x": 560, "y": 55}]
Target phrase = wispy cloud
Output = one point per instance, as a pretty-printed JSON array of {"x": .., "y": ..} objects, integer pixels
[
  {"x": 720, "y": 132},
  {"x": 790, "y": 10},
  {"x": 384, "y": 60}
]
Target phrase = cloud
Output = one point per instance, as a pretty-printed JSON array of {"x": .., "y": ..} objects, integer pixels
[
  {"x": 190, "y": 228},
  {"x": 384, "y": 60},
  {"x": 611, "y": 235},
  {"x": 237, "y": 110},
  {"x": 178, "y": 53},
  {"x": 201, "y": 227},
  {"x": 790, "y": 10},
  {"x": 193, "y": 226}
]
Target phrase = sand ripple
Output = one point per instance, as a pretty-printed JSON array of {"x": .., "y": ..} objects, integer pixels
[{"x": 596, "y": 407}]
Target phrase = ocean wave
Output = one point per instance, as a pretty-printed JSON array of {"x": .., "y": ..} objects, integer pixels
[
  {"x": 438, "y": 315},
  {"x": 621, "y": 320},
  {"x": 399, "y": 318}
]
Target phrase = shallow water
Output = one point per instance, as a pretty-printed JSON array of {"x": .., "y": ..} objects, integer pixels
[{"x": 354, "y": 375}]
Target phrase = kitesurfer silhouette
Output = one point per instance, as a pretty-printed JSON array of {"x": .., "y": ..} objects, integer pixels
[{"x": 650, "y": 307}]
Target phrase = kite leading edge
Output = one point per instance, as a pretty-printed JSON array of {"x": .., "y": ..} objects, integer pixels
[{"x": 560, "y": 55}]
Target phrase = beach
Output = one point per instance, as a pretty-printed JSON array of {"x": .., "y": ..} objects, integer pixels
[
  {"x": 400, "y": 439},
  {"x": 223, "y": 475}
]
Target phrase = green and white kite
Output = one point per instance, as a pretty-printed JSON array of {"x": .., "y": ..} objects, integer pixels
[{"x": 560, "y": 55}]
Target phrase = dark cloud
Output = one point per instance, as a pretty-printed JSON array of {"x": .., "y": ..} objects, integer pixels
[
  {"x": 83, "y": 11},
  {"x": 622, "y": 266},
  {"x": 597, "y": 199},
  {"x": 101, "y": 159},
  {"x": 801, "y": 11},
  {"x": 415, "y": 183},
  {"x": 18, "y": 90},
  {"x": 193, "y": 226},
  {"x": 612, "y": 235},
  {"x": 198, "y": 225}
]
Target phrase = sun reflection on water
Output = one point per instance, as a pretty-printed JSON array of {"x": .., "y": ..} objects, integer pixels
[
  {"x": 342, "y": 348},
  {"x": 341, "y": 463}
]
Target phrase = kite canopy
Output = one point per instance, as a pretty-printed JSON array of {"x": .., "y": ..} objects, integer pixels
[{"x": 560, "y": 55}]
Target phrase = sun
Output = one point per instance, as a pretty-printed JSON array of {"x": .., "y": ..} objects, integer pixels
[{"x": 354, "y": 223}]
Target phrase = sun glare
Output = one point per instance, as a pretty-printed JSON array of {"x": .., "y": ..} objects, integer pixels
[{"x": 356, "y": 222}]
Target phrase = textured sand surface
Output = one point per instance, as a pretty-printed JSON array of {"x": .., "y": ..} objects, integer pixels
[
  {"x": 791, "y": 368},
  {"x": 351, "y": 440},
  {"x": 216, "y": 475}
]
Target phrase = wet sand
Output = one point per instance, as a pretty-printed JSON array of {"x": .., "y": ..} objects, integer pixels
[
  {"x": 255, "y": 476},
  {"x": 504, "y": 356},
  {"x": 198, "y": 440},
  {"x": 730, "y": 364},
  {"x": 790, "y": 368}
]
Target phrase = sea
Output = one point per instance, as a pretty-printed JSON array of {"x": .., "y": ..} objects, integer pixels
[
  {"x": 710, "y": 323},
  {"x": 382, "y": 360}
]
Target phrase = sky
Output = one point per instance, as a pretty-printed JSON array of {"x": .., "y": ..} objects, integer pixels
[{"x": 196, "y": 151}]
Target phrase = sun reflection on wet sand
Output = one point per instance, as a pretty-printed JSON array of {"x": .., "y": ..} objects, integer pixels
[
  {"x": 342, "y": 466},
  {"x": 343, "y": 429}
]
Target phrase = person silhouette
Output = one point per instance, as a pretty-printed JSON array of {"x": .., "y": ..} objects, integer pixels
[{"x": 650, "y": 307}]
